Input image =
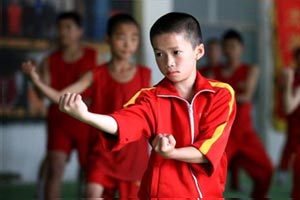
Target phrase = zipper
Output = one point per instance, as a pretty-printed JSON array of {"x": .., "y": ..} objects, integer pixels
[
  {"x": 196, "y": 183},
  {"x": 192, "y": 125}
]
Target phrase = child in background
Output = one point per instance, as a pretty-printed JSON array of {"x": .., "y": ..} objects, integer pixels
[
  {"x": 244, "y": 147},
  {"x": 214, "y": 56},
  {"x": 186, "y": 117},
  {"x": 112, "y": 85},
  {"x": 64, "y": 66},
  {"x": 291, "y": 100}
]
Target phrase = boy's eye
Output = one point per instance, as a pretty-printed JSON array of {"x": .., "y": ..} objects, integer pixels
[
  {"x": 134, "y": 39},
  {"x": 177, "y": 52},
  {"x": 158, "y": 54},
  {"x": 120, "y": 37}
]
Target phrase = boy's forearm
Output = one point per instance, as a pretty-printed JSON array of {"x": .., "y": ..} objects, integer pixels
[
  {"x": 72, "y": 104},
  {"x": 104, "y": 123},
  {"x": 188, "y": 154},
  {"x": 291, "y": 99},
  {"x": 49, "y": 92}
]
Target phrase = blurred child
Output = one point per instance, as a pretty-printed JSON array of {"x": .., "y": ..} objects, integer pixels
[
  {"x": 291, "y": 99},
  {"x": 64, "y": 66},
  {"x": 183, "y": 110},
  {"x": 112, "y": 85},
  {"x": 244, "y": 146},
  {"x": 213, "y": 55}
]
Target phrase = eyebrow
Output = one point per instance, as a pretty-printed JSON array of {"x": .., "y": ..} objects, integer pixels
[
  {"x": 121, "y": 34},
  {"x": 170, "y": 48}
]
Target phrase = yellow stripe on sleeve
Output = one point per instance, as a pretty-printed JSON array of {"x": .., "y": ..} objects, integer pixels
[
  {"x": 219, "y": 130},
  {"x": 132, "y": 100}
]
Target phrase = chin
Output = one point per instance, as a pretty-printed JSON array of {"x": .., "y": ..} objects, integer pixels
[
  {"x": 125, "y": 56},
  {"x": 174, "y": 79},
  {"x": 66, "y": 43}
]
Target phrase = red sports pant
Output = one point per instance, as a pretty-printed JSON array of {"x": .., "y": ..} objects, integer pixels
[
  {"x": 296, "y": 176},
  {"x": 126, "y": 189},
  {"x": 249, "y": 153}
]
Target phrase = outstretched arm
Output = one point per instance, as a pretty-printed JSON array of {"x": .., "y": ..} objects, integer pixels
[
  {"x": 250, "y": 86},
  {"x": 73, "y": 105},
  {"x": 79, "y": 86},
  {"x": 291, "y": 97},
  {"x": 164, "y": 145}
]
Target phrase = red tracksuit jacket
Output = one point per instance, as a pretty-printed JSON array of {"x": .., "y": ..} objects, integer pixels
[{"x": 204, "y": 123}]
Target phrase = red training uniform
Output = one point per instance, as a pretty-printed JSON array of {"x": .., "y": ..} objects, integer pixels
[
  {"x": 208, "y": 70},
  {"x": 65, "y": 132},
  {"x": 203, "y": 123},
  {"x": 292, "y": 145},
  {"x": 244, "y": 145},
  {"x": 122, "y": 170}
]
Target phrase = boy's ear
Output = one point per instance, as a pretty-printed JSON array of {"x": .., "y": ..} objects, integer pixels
[
  {"x": 242, "y": 47},
  {"x": 81, "y": 32},
  {"x": 199, "y": 50}
]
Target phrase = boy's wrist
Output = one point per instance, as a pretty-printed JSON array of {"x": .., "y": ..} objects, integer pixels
[
  {"x": 34, "y": 79},
  {"x": 172, "y": 154},
  {"x": 86, "y": 117}
]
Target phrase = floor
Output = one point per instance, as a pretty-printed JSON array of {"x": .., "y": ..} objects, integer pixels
[{"x": 26, "y": 191}]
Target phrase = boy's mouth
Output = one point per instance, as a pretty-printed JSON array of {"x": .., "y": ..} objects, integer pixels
[{"x": 172, "y": 73}]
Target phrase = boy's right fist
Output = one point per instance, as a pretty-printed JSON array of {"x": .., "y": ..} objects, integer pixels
[
  {"x": 72, "y": 104},
  {"x": 29, "y": 69}
]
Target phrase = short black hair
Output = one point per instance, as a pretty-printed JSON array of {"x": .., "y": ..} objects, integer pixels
[
  {"x": 232, "y": 34},
  {"x": 72, "y": 15},
  {"x": 178, "y": 23},
  {"x": 297, "y": 54},
  {"x": 117, "y": 19}
]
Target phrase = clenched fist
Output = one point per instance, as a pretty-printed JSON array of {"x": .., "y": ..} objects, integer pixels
[
  {"x": 73, "y": 105},
  {"x": 164, "y": 144},
  {"x": 29, "y": 69}
]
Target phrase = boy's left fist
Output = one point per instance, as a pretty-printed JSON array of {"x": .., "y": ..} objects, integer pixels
[{"x": 73, "y": 105}]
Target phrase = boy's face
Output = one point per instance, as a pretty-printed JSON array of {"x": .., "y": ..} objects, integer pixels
[
  {"x": 124, "y": 41},
  {"x": 175, "y": 56},
  {"x": 233, "y": 49},
  {"x": 214, "y": 53},
  {"x": 69, "y": 32}
]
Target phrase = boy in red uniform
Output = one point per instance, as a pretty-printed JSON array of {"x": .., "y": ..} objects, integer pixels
[
  {"x": 184, "y": 110},
  {"x": 244, "y": 146},
  {"x": 213, "y": 56},
  {"x": 291, "y": 99},
  {"x": 61, "y": 68},
  {"x": 112, "y": 85}
]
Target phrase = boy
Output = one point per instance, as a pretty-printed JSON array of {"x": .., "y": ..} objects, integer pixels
[
  {"x": 60, "y": 69},
  {"x": 244, "y": 147},
  {"x": 291, "y": 100},
  {"x": 112, "y": 85},
  {"x": 183, "y": 110},
  {"x": 213, "y": 55}
]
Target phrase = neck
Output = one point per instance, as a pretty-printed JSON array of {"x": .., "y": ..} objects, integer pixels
[
  {"x": 186, "y": 88},
  {"x": 119, "y": 64},
  {"x": 213, "y": 63},
  {"x": 71, "y": 48},
  {"x": 233, "y": 64}
]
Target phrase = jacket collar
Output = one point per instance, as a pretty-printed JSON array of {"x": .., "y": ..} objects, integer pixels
[{"x": 166, "y": 87}]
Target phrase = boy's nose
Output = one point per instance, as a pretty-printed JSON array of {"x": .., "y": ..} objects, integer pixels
[
  {"x": 126, "y": 43},
  {"x": 170, "y": 62}
]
